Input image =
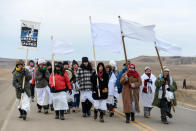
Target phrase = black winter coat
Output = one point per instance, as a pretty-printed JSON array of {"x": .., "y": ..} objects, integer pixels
[{"x": 103, "y": 86}]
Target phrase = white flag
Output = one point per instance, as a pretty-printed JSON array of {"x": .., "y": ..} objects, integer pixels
[
  {"x": 106, "y": 36},
  {"x": 168, "y": 47},
  {"x": 59, "y": 47},
  {"x": 137, "y": 31}
]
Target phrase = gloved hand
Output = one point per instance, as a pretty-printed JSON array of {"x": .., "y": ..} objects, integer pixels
[
  {"x": 23, "y": 71},
  {"x": 168, "y": 89},
  {"x": 21, "y": 90},
  {"x": 53, "y": 90},
  {"x": 70, "y": 92},
  {"x": 162, "y": 81},
  {"x": 133, "y": 85},
  {"x": 119, "y": 90}
]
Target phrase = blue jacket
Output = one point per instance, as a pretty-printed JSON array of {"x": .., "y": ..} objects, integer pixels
[{"x": 119, "y": 77}]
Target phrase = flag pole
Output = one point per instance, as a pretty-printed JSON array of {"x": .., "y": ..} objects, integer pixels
[
  {"x": 161, "y": 65},
  {"x": 23, "y": 82},
  {"x": 124, "y": 47},
  {"x": 95, "y": 64},
  {"x": 52, "y": 61}
]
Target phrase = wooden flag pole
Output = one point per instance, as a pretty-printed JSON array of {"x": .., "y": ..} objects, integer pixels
[
  {"x": 161, "y": 65},
  {"x": 95, "y": 64},
  {"x": 23, "y": 82},
  {"x": 124, "y": 47},
  {"x": 52, "y": 61}
]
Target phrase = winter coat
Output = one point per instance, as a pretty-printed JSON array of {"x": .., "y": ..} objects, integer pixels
[
  {"x": 103, "y": 86},
  {"x": 119, "y": 85},
  {"x": 18, "y": 81},
  {"x": 127, "y": 92},
  {"x": 41, "y": 78},
  {"x": 158, "y": 83},
  {"x": 84, "y": 78},
  {"x": 61, "y": 82}
]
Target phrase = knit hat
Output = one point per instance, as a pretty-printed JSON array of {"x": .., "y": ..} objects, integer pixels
[
  {"x": 84, "y": 59},
  {"x": 20, "y": 62},
  {"x": 165, "y": 68},
  {"x": 74, "y": 62},
  {"x": 41, "y": 61},
  {"x": 65, "y": 63},
  {"x": 58, "y": 64},
  {"x": 48, "y": 63},
  {"x": 147, "y": 68}
]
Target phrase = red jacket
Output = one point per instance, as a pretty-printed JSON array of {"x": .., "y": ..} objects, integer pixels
[{"x": 60, "y": 82}]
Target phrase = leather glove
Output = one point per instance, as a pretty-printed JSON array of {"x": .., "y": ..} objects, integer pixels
[
  {"x": 70, "y": 92},
  {"x": 23, "y": 71},
  {"x": 119, "y": 90},
  {"x": 53, "y": 90},
  {"x": 21, "y": 90},
  {"x": 168, "y": 89}
]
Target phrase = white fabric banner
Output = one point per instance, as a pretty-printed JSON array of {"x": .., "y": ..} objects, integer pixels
[
  {"x": 137, "y": 31},
  {"x": 168, "y": 47},
  {"x": 106, "y": 36},
  {"x": 59, "y": 47}
]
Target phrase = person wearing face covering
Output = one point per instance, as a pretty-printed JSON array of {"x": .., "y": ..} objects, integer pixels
[
  {"x": 147, "y": 90},
  {"x": 44, "y": 97},
  {"x": 131, "y": 82},
  {"x": 58, "y": 89},
  {"x": 18, "y": 74}
]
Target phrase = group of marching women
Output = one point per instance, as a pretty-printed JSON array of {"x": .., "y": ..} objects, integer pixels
[{"x": 63, "y": 87}]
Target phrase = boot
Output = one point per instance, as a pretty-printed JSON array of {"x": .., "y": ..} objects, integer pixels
[
  {"x": 132, "y": 116},
  {"x": 95, "y": 114},
  {"x": 169, "y": 115},
  {"x": 57, "y": 115},
  {"x": 45, "y": 111},
  {"x": 24, "y": 114},
  {"x": 51, "y": 107},
  {"x": 39, "y": 108},
  {"x": 101, "y": 116},
  {"x": 163, "y": 116},
  {"x": 164, "y": 120},
  {"x": 127, "y": 117},
  {"x": 83, "y": 109},
  {"x": 111, "y": 110},
  {"x": 89, "y": 105},
  {"x": 21, "y": 113},
  {"x": 62, "y": 115}
]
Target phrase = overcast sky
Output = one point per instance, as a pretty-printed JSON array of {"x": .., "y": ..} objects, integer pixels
[{"x": 68, "y": 20}]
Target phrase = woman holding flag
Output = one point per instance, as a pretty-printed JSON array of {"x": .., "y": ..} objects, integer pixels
[
  {"x": 100, "y": 90},
  {"x": 58, "y": 89}
]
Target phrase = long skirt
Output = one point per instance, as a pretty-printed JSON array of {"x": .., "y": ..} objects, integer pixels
[
  {"x": 44, "y": 96},
  {"x": 100, "y": 104},
  {"x": 86, "y": 95},
  {"x": 60, "y": 101},
  {"x": 25, "y": 103}
]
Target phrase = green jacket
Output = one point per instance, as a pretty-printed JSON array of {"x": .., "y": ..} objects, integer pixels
[
  {"x": 41, "y": 78},
  {"x": 18, "y": 80},
  {"x": 158, "y": 83}
]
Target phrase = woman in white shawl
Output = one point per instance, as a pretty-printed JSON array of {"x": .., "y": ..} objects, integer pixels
[{"x": 147, "y": 91}]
